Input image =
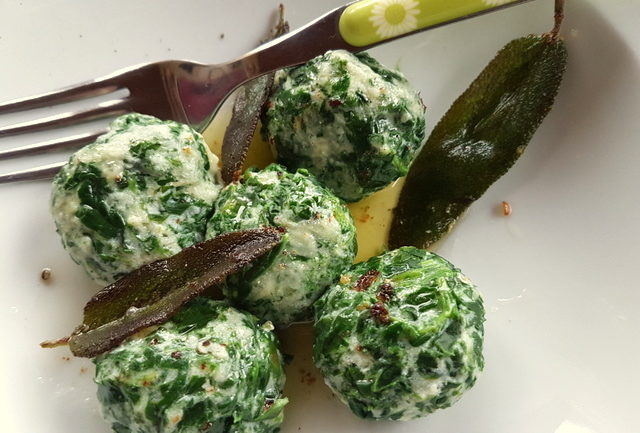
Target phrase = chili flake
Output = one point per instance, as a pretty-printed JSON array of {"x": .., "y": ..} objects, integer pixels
[
  {"x": 385, "y": 292},
  {"x": 366, "y": 280},
  {"x": 379, "y": 313}
]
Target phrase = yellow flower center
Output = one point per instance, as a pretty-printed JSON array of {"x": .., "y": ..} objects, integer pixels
[{"x": 395, "y": 13}]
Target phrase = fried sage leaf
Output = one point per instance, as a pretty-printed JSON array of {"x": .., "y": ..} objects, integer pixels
[
  {"x": 481, "y": 136},
  {"x": 245, "y": 114},
  {"x": 153, "y": 293}
]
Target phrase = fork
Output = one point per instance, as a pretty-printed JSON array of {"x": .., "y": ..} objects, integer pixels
[{"x": 191, "y": 92}]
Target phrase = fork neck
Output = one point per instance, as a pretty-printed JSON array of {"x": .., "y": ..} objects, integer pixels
[
  {"x": 203, "y": 88},
  {"x": 298, "y": 46}
]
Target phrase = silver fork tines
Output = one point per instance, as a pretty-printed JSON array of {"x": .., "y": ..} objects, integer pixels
[
  {"x": 104, "y": 109},
  {"x": 51, "y": 145},
  {"x": 37, "y": 173},
  {"x": 67, "y": 94},
  {"x": 90, "y": 89}
]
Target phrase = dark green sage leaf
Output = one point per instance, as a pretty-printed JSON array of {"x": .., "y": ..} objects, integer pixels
[
  {"x": 153, "y": 293},
  {"x": 244, "y": 117},
  {"x": 481, "y": 136}
]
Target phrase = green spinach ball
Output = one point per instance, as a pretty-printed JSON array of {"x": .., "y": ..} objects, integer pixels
[
  {"x": 400, "y": 336},
  {"x": 143, "y": 191},
  {"x": 212, "y": 369},
  {"x": 320, "y": 241},
  {"x": 350, "y": 121}
]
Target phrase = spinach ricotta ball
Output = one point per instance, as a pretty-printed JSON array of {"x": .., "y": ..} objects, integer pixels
[
  {"x": 320, "y": 241},
  {"x": 210, "y": 369},
  {"x": 141, "y": 192},
  {"x": 400, "y": 335},
  {"x": 350, "y": 121}
]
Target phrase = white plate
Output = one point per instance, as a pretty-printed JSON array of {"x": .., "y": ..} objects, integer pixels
[{"x": 559, "y": 275}]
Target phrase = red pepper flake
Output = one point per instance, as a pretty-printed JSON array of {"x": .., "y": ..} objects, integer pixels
[
  {"x": 307, "y": 377},
  {"x": 366, "y": 280},
  {"x": 364, "y": 218},
  {"x": 335, "y": 102},
  {"x": 176, "y": 355},
  {"x": 146, "y": 383},
  {"x": 203, "y": 366},
  {"x": 379, "y": 313},
  {"x": 385, "y": 292},
  {"x": 153, "y": 341},
  {"x": 359, "y": 348}
]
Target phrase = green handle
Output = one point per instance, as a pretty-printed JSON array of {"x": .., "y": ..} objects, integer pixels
[{"x": 371, "y": 21}]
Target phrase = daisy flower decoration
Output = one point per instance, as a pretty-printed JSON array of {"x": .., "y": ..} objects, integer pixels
[{"x": 394, "y": 17}]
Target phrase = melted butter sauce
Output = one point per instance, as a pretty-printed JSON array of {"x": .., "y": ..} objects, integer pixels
[{"x": 372, "y": 215}]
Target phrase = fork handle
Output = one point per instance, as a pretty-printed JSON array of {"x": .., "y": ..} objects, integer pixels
[
  {"x": 368, "y": 22},
  {"x": 359, "y": 26}
]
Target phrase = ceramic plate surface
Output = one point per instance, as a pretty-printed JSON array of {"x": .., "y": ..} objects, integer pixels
[{"x": 559, "y": 275}]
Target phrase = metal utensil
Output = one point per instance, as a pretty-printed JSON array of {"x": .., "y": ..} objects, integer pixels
[{"x": 191, "y": 92}]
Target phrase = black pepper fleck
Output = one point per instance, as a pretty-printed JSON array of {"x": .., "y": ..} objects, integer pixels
[{"x": 45, "y": 274}]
